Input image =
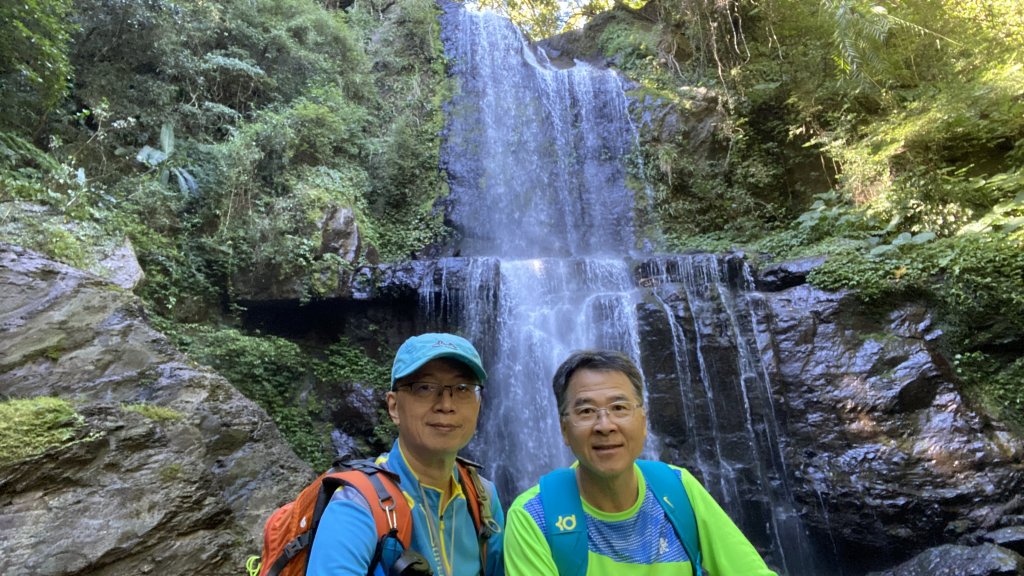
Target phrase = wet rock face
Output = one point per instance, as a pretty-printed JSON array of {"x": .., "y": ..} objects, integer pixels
[
  {"x": 955, "y": 560},
  {"x": 881, "y": 456},
  {"x": 887, "y": 457},
  {"x": 132, "y": 494}
]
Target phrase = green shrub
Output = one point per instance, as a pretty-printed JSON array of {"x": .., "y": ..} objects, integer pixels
[
  {"x": 267, "y": 369},
  {"x": 874, "y": 279},
  {"x": 47, "y": 236},
  {"x": 982, "y": 292},
  {"x": 27, "y": 173},
  {"x": 995, "y": 385},
  {"x": 345, "y": 362},
  {"x": 274, "y": 373},
  {"x": 34, "y": 66},
  {"x": 632, "y": 47}
]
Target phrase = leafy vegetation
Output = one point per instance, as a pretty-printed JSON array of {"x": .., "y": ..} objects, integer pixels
[
  {"x": 31, "y": 426},
  {"x": 287, "y": 380},
  {"x": 217, "y": 137},
  {"x": 346, "y": 362},
  {"x": 271, "y": 371},
  {"x": 34, "y": 64},
  {"x": 995, "y": 386},
  {"x": 542, "y": 18}
]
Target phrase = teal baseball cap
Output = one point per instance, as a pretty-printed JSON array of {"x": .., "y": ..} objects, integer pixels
[{"x": 418, "y": 350}]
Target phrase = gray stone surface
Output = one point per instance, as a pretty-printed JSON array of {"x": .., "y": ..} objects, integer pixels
[
  {"x": 869, "y": 434},
  {"x": 121, "y": 266},
  {"x": 955, "y": 560},
  {"x": 886, "y": 454},
  {"x": 130, "y": 495},
  {"x": 340, "y": 234},
  {"x": 1011, "y": 537}
]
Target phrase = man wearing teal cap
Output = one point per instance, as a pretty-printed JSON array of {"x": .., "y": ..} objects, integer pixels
[{"x": 436, "y": 382}]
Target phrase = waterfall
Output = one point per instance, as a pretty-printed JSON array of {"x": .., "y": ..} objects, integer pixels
[{"x": 549, "y": 263}]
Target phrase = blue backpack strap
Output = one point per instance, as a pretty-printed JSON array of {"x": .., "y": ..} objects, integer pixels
[
  {"x": 566, "y": 523},
  {"x": 668, "y": 489}
]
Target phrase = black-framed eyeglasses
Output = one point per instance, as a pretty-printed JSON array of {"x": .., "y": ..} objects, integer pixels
[
  {"x": 618, "y": 412},
  {"x": 462, "y": 392}
]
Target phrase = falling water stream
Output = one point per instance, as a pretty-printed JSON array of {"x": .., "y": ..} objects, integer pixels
[{"x": 536, "y": 161}]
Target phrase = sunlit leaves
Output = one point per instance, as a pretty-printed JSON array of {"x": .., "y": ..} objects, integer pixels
[
  {"x": 34, "y": 67},
  {"x": 543, "y": 18}
]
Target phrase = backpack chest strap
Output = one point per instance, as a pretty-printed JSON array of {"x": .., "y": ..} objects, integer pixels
[{"x": 667, "y": 488}]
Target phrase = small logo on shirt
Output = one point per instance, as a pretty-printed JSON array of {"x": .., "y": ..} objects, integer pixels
[
  {"x": 566, "y": 523},
  {"x": 662, "y": 546}
]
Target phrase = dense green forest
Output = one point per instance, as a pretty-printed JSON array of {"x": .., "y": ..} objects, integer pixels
[{"x": 215, "y": 135}]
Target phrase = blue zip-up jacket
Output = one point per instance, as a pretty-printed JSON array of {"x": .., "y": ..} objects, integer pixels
[{"x": 346, "y": 537}]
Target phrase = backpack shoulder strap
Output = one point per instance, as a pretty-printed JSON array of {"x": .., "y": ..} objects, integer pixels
[
  {"x": 668, "y": 489},
  {"x": 478, "y": 500},
  {"x": 390, "y": 510},
  {"x": 391, "y": 513},
  {"x": 379, "y": 486},
  {"x": 566, "y": 524}
]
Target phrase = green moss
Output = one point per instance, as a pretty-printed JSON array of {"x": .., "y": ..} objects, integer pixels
[
  {"x": 153, "y": 412},
  {"x": 997, "y": 387},
  {"x": 170, "y": 472},
  {"x": 29, "y": 427},
  {"x": 632, "y": 45}
]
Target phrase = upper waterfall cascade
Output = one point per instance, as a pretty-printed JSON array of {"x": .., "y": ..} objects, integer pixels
[{"x": 537, "y": 164}]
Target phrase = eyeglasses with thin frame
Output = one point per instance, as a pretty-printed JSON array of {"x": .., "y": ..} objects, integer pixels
[
  {"x": 617, "y": 412},
  {"x": 462, "y": 392}
]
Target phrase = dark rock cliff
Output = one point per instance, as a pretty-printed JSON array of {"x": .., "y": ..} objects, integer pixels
[{"x": 887, "y": 456}]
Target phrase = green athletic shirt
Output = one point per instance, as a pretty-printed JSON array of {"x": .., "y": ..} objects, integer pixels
[{"x": 640, "y": 540}]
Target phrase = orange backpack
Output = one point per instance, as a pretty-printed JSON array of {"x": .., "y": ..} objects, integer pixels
[{"x": 289, "y": 532}]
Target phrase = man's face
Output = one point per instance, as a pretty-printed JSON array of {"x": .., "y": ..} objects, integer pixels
[
  {"x": 607, "y": 448},
  {"x": 438, "y": 426}
]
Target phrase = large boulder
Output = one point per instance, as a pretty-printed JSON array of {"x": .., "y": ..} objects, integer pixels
[
  {"x": 956, "y": 560},
  {"x": 340, "y": 239},
  {"x": 185, "y": 492},
  {"x": 887, "y": 455},
  {"x": 121, "y": 266},
  {"x": 812, "y": 417},
  {"x": 340, "y": 234}
]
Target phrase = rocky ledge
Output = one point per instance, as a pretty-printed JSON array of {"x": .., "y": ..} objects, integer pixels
[{"x": 129, "y": 493}]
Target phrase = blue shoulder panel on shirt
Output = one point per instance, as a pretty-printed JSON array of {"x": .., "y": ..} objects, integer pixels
[{"x": 566, "y": 524}]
